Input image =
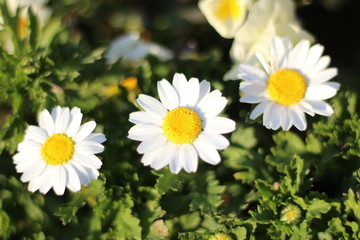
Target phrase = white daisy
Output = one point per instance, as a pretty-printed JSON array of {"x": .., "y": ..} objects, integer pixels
[
  {"x": 59, "y": 153},
  {"x": 182, "y": 127},
  {"x": 226, "y": 16},
  {"x": 295, "y": 82}
]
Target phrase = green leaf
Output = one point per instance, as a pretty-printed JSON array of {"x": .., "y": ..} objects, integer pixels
[
  {"x": 167, "y": 181},
  {"x": 205, "y": 194},
  {"x": 244, "y": 137},
  {"x": 34, "y": 29},
  {"x": 265, "y": 190},
  {"x": 317, "y": 207},
  {"x": 239, "y": 232},
  {"x": 352, "y": 203}
]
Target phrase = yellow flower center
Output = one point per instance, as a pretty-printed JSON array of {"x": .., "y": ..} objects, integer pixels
[
  {"x": 58, "y": 149},
  {"x": 286, "y": 87},
  {"x": 228, "y": 9},
  {"x": 182, "y": 125}
]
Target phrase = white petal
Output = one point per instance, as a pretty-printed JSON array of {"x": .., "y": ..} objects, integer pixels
[
  {"x": 279, "y": 50},
  {"x": 321, "y": 108},
  {"x": 145, "y": 118},
  {"x": 253, "y": 88},
  {"x": 323, "y": 63},
  {"x": 180, "y": 85},
  {"x": 81, "y": 172},
  {"x": 286, "y": 122},
  {"x": 299, "y": 54},
  {"x": 188, "y": 156},
  {"x": 36, "y": 182},
  {"x": 323, "y": 76},
  {"x": 153, "y": 144},
  {"x": 193, "y": 89},
  {"x": 75, "y": 122},
  {"x": 73, "y": 181},
  {"x": 89, "y": 147},
  {"x": 251, "y": 73},
  {"x": 62, "y": 120},
  {"x": 258, "y": 110},
  {"x": 30, "y": 146},
  {"x": 48, "y": 180},
  {"x": 273, "y": 116},
  {"x": 60, "y": 180},
  {"x": 297, "y": 117},
  {"x": 175, "y": 162},
  {"x": 313, "y": 57},
  {"x": 87, "y": 160},
  {"x": 204, "y": 90},
  {"x": 84, "y": 131},
  {"x": 36, "y": 133},
  {"x": 219, "y": 125},
  {"x": 46, "y": 122},
  {"x": 143, "y": 132},
  {"x": 216, "y": 140},
  {"x": 163, "y": 156},
  {"x": 168, "y": 95},
  {"x": 92, "y": 173},
  {"x": 96, "y": 137},
  {"x": 320, "y": 92},
  {"x": 151, "y": 105},
  {"x": 207, "y": 152},
  {"x": 306, "y": 107},
  {"x": 36, "y": 169},
  {"x": 212, "y": 104},
  {"x": 253, "y": 99}
]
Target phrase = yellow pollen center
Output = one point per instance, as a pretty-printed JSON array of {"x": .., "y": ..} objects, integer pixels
[
  {"x": 58, "y": 149},
  {"x": 286, "y": 87},
  {"x": 182, "y": 125},
  {"x": 228, "y": 9}
]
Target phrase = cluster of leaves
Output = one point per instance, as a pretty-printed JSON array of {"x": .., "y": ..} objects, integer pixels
[{"x": 277, "y": 185}]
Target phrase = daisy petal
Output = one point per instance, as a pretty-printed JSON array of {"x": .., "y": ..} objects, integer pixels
[
  {"x": 89, "y": 147},
  {"x": 216, "y": 140},
  {"x": 49, "y": 177},
  {"x": 81, "y": 172},
  {"x": 219, "y": 125},
  {"x": 193, "y": 88},
  {"x": 96, "y": 137},
  {"x": 321, "y": 108},
  {"x": 323, "y": 76},
  {"x": 204, "y": 90},
  {"x": 175, "y": 162},
  {"x": 258, "y": 110},
  {"x": 253, "y": 88},
  {"x": 46, "y": 122},
  {"x": 73, "y": 182},
  {"x": 253, "y": 99},
  {"x": 60, "y": 180},
  {"x": 151, "y": 105},
  {"x": 313, "y": 57},
  {"x": 188, "y": 156},
  {"x": 299, "y": 54},
  {"x": 36, "y": 133},
  {"x": 320, "y": 92},
  {"x": 163, "y": 156},
  {"x": 37, "y": 169},
  {"x": 150, "y": 145},
  {"x": 168, "y": 95},
  {"x": 207, "y": 152},
  {"x": 84, "y": 131},
  {"x": 323, "y": 63},
  {"x": 75, "y": 122},
  {"x": 36, "y": 182},
  {"x": 298, "y": 118},
  {"x": 251, "y": 73},
  {"x": 87, "y": 160},
  {"x": 62, "y": 120},
  {"x": 145, "y": 118},
  {"x": 180, "y": 85},
  {"x": 143, "y": 132}
]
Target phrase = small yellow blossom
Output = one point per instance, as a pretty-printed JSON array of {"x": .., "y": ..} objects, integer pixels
[{"x": 220, "y": 236}]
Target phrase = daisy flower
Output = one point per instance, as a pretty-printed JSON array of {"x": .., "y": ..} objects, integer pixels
[
  {"x": 226, "y": 16},
  {"x": 182, "y": 126},
  {"x": 59, "y": 153},
  {"x": 295, "y": 82}
]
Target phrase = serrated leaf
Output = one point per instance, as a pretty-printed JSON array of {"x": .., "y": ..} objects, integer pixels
[
  {"x": 352, "y": 203},
  {"x": 167, "y": 181},
  {"x": 239, "y": 232},
  {"x": 244, "y": 137},
  {"x": 205, "y": 194},
  {"x": 264, "y": 189}
]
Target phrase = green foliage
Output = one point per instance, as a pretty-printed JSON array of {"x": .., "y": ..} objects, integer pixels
[{"x": 269, "y": 185}]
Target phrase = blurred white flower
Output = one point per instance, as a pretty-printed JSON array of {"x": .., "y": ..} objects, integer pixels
[
  {"x": 226, "y": 16},
  {"x": 296, "y": 82},
  {"x": 131, "y": 47},
  {"x": 266, "y": 19}
]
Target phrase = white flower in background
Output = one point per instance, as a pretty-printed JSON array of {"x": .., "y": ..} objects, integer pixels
[
  {"x": 131, "y": 47},
  {"x": 182, "y": 127},
  {"x": 296, "y": 82},
  {"x": 266, "y": 19},
  {"x": 226, "y": 16},
  {"x": 59, "y": 153}
]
